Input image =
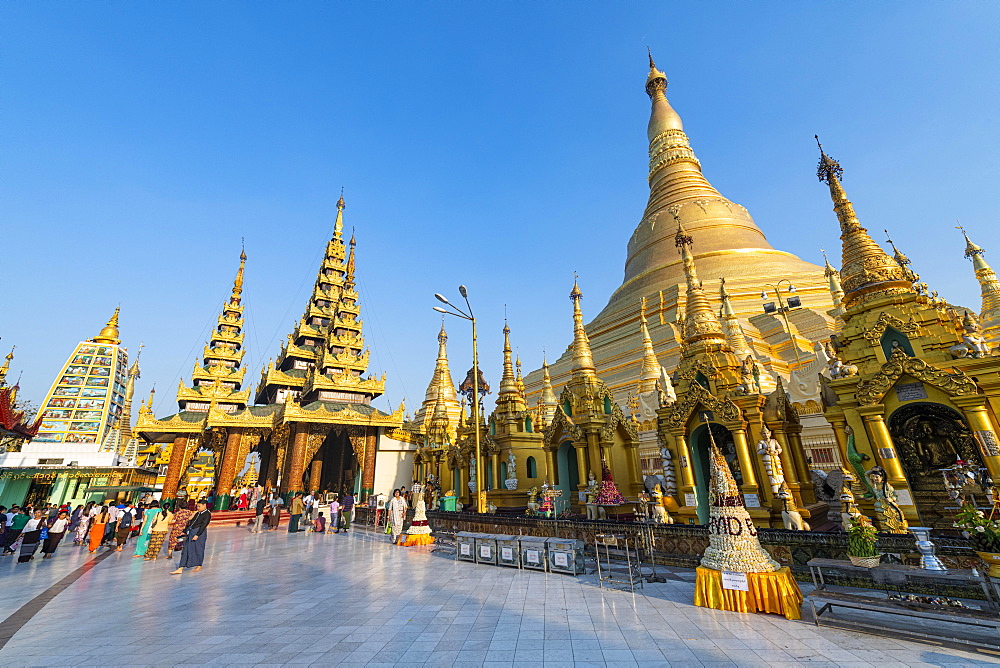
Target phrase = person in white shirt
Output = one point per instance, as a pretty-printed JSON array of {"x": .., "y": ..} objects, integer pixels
[
  {"x": 113, "y": 514},
  {"x": 310, "y": 505},
  {"x": 57, "y": 529}
]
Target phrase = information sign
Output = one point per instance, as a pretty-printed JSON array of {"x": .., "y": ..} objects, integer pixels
[{"x": 734, "y": 580}]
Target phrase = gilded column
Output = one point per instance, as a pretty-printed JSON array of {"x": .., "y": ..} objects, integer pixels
[
  {"x": 839, "y": 423},
  {"x": 368, "y": 475},
  {"x": 550, "y": 466},
  {"x": 495, "y": 471},
  {"x": 175, "y": 469},
  {"x": 684, "y": 458},
  {"x": 799, "y": 456},
  {"x": 296, "y": 461},
  {"x": 879, "y": 434},
  {"x": 974, "y": 408},
  {"x": 746, "y": 461},
  {"x": 228, "y": 470},
  {"x": 582, "y": 469},
  {"x": 315, "y": 474}
]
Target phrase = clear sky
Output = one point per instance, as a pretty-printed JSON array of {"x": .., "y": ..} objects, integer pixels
[{"x": 499, "y": 145}]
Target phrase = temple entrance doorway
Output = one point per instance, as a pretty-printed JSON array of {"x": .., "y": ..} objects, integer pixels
[
  {"x": 568, "y": 476},
  {"x": 702, "y": 469},
  {"x": 928, "y": 438},
  {"x": 337, "y": 466}
]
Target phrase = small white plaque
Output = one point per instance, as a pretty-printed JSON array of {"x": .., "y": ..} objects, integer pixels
[
  {"x": 751, "y": 501},
  {"x": 903, "y": 497},
  {"x": 532, "y": 556},
  {"x": 507, "y": 553},
  {"x": 910, "y": 391},
  {"x": 560, "y": 559},
  {"x": 485, "y": 552},
  {"x": 690, "y": 499},
  {"x": 734, "y": 580},
  {"x": 465, "y": 549}
]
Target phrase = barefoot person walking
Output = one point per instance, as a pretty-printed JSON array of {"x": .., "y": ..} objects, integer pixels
[{"x": 195, "y": 534}]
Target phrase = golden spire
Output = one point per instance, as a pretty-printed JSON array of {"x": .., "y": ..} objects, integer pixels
[
  {"x": 990, "y": 287},
  {"x": 125, "y": 424},
  {"x": 517, "y": 375},
  {"x": 547, "y": 402},
  {"x": 662, "y": 117},
  {"x": 6, "y": 366},
  {"x": 349, "y": 276},
  {"x": 338, "y": 224},
  {"x": 867, "y": 269},
  {"x": 441, "y": 385},
  {"x": 731, "y": 325},
  {"x": 833, "y": 276},
  {"x": 238, "y": 281},
  {"x": 650, "y": 364},
  {"x": 583, "y": 360},
  {"x": 110, "y": 332},
  {"x": 508, "y": 383},
  {"x": 700, "y": 323}
]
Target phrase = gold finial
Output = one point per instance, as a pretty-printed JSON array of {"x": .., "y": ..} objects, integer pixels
[
  {"x": 110, "y": 332},
  {"x": 971, "y": 249},
  {"x": 6, "y": 365},
  {"x": 350, "y": 263},
  {"x": 338, "y": 224},
  {"x": 656, "y": 81},
  {"x": 238, "y": 281}
]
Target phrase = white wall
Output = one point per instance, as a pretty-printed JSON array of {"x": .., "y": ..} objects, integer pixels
[{"x": 393, "y": 464}]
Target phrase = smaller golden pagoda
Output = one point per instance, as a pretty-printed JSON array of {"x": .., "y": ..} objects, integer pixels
[
  {"x": 914, "y": 383},
  {"x": 989, "y": 314}
]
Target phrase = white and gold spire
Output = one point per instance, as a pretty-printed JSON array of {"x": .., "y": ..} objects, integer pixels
[
  {"x": 547, "y": 402},
  {"x": 441, "y": 389}
]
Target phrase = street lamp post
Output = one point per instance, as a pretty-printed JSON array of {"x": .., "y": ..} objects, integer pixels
[
  {"x": 459, "y": 313},
  {"x": 793, "y": 302}
]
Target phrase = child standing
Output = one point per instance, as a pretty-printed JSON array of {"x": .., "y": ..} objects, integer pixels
[{"x": 334, "y": 515}]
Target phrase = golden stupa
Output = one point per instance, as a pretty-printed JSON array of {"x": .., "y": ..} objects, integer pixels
[{"x": 730, "y": 246}]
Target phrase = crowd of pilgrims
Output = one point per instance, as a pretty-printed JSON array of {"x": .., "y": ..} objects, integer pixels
[
  {"x": 112, "y": 524},
  {"x": 94, "y": 525}
]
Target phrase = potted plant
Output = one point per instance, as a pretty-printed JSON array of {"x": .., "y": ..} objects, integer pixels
[
  {"x": 861, "y": 537},
  {"x": 984, "y": 534}
]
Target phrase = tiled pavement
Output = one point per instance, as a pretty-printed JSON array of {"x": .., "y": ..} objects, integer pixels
[{"x": 355, "y": 600}]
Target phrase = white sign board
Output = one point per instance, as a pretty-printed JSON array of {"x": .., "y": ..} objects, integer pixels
[
  {"x": 751, "y": 501},
  {"x": 507, "y": 553},
  {"x": 903, "y": 497},
  {"x": 910, "y": 391},
  {"x": 485, "y": 552},
  {"x": 734, "y": 580},
  {"x": 560, "y": 559},
  {"x": 532, "y": 556},
  {"x": 690, "y": 499},
  {"x": 465, "y": 549}
]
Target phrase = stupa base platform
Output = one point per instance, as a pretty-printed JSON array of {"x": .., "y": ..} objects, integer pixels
[
  {"x": 416, "y": 539},
  {"x": 775, "y": 592}
]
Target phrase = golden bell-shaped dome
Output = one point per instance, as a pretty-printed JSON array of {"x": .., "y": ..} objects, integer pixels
[{"x": 110, "y": 332}]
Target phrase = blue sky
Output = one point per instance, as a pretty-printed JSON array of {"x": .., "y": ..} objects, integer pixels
[{"x": 499, "y": 145}]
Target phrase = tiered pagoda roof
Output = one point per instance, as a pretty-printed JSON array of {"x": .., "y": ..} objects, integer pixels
[
  {"x": 324, "y": 358},
  {"x": 218, "y": 379}
]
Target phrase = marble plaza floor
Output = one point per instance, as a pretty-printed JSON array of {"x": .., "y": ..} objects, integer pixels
[{"x": 354, "y": 600}]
